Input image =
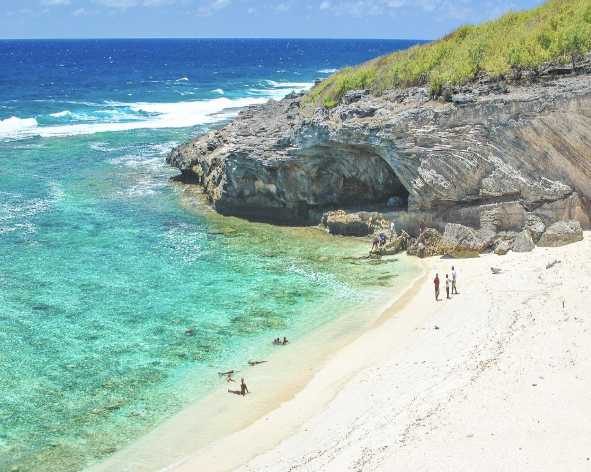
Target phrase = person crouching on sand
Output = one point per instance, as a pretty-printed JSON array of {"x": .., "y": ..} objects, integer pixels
[
  {"x": 243, "y": 389},
  {"x": 436, "y": 282}
]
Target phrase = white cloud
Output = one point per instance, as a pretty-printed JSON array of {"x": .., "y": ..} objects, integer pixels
[
  {"x": 359, "y": 8},
  {"x": 157, "y": 3},
  {"x": 324, "y": 5},
  {"x": 55, "y": 2},
  {"x": 123, "y": 4},
  {"x": 207, "y": 10},
  {"x": 282, "y": 7},
  {"x": 251, "y": 10}
]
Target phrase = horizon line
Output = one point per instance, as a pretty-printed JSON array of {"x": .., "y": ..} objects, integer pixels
[{"x": 213, "y": 37}]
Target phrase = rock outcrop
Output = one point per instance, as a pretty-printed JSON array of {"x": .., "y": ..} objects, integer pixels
[
  {"x": 433, "y": 244},
  {"x": 486, "y": 162},
  {"x": 561, "y": 233},
  {"x": 462, "y": 241},
  {"x": 502, "y": 248},
  {"x": 523, "y": 242}
]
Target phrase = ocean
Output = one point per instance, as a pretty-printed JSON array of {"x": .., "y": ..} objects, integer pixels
[{"x": 105, "y": 263}]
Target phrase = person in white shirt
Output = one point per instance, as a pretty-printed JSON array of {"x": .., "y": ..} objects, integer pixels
[
  {"x": 454, "y": 277},
  {"x": 392, "y": 229},
  {"x": 447, "y": 285}
]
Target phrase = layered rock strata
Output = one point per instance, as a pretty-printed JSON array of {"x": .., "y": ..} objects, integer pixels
[{"x": 494, "y": 161}]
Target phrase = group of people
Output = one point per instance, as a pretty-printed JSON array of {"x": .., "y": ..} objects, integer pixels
[
  {"x": 449, "y": 283},
  {"x": 243, "y": 388},
  {"x": 381, "y": 240}
]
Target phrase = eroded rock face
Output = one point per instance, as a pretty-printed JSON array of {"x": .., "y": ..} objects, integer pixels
[
  {"x": 390, "y": 248},
  {"x": 433, "y": 241},
  {"x": 353, "y": 224},
  {"x": 535, "y": 226},
  {"x": 523, "y": 242},
  {"x": 462, "y": 241},
  {"x": 561, "y": 233},
  {"x": 502, "y": 247},
  {"x": 283, "y": 162}
]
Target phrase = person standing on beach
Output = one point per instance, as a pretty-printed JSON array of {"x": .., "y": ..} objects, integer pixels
[
  {"x": 454, "y": 276},
  {"x": 392, "y": 229},
  {"x": 436, "y": 282},
  {"x": 447, "y": 281}
]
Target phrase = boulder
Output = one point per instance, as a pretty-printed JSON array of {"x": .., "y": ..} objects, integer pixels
[
  {"x": 346, "y": 224},
  {"x": 345, "y": 113},
  {"x": 562, "y": 233},
  {"x": 353, "y": 96},
  {"x": 321, "y": 114},
  {"x": 462, "y": 241},
  {"x": 535, "y": 226},
  {"x": 502, "y": 247},
  {"x": 407, "y": 240},
  {"x": 523, "y": 242},
  {"x": 390, "y": 248},
  {"x": 433, "y": 241}
]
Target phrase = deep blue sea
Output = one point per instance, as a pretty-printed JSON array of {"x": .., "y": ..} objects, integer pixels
[{"x": 105, "y": 263}]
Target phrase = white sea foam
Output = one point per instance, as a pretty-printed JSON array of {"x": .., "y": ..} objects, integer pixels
[
  {"x": 298, "y": 85},
  {"x": 60, "y": 114},
  {"x": 14, "y": 125},
  {"x": 131, "y": 116},
  {"x": 218, "y": 90},
  {"x": 327, "y": 71},
  {"x": 184, "y": 78}
]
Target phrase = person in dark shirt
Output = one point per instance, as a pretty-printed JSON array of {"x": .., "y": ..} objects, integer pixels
[{"x": 436, "y": 282}]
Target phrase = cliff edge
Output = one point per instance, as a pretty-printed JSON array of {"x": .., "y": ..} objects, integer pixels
[{"x": 523, "y": 148}]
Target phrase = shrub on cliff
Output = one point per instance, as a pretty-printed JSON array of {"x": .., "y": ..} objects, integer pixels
[{"x": 558, "y": 30}]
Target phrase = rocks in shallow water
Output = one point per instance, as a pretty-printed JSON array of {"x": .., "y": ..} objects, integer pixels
[
  {"x": 390, "y": 248},
  {"x": 502, "y": 247},
  {"x": 561, "y": 233},
  {"x": 523, "y": 242},
  {"x": 462, "y": 241}
]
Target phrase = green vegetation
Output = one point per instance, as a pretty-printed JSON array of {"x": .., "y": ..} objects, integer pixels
[{"x": 558, "y": 30}]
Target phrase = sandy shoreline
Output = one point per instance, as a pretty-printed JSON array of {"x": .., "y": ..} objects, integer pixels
[
  {"x": 272, "y": 384},
  {"x": 502, "y": 384}
]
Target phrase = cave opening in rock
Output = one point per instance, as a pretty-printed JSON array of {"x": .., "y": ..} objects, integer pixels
[{"x": 355, "y": 176}]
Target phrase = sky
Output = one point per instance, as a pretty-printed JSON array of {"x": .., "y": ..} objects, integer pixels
[{"x": 393, "y": 19}]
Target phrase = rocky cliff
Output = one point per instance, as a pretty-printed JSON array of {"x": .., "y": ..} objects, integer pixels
[{"x": 490, "y": 157}]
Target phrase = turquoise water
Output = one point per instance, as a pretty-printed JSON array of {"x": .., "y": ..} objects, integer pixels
[{"x": 104, "y": 264}]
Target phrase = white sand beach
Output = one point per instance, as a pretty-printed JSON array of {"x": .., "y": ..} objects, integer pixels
[{"x": 497, "y": 378}]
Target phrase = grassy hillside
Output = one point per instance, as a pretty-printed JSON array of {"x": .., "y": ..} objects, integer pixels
[{"x": 557, "y": 30}]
